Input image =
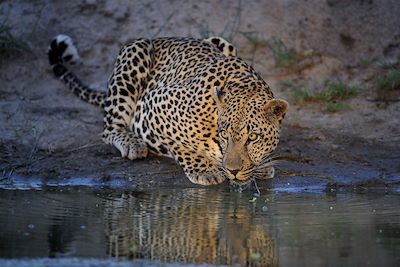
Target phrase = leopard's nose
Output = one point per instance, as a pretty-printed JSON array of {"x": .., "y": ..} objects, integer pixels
[{"x": 233, "y": 172}]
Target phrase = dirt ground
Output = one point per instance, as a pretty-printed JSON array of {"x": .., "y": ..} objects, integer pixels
[{"x": 48, "y": 134}]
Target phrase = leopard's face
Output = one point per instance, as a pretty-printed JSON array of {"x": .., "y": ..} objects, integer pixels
[{"x": 248, "y": 133}]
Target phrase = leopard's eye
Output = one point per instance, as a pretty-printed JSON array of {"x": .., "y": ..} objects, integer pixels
[
  {"x": 253, "y": 137},
  {"x": 223, "y": 134}
]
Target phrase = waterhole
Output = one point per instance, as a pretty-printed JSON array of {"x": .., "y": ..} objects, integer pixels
[{"x": 200, "y": 225}]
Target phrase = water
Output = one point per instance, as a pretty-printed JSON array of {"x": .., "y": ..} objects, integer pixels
[{"x": 205, "y": 225}]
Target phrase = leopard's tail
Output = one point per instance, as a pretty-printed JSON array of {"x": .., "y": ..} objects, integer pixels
[{"x": 62, "y": 50}]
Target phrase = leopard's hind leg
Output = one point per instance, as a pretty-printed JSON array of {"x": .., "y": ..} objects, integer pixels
[{"x": 125, "y": 86}]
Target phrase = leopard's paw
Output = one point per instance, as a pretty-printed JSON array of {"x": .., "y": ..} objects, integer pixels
[
  {"x": 127, "y": 143},
  {"x": 133, "y": 150},
  {"x": 268, "y": 173},
  {"x": 205, "y": 178}
]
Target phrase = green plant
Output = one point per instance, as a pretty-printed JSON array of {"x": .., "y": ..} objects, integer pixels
[
  {"x": 10, "y": 43},
  {"x": 390, "y": 81},
  {"x": 338, "y": 91},
  {"x": 253, "y": 38},
  {"x": 283, "y": 56},
  {"x": 298, "y": 92},
  {"x": 364, "y": 63},
  {"x": 333, "y": 92},
  {"x": 301, "y": 95},
  {"x": 386, "y": 64},
  {"x": 335, "y": 107}
]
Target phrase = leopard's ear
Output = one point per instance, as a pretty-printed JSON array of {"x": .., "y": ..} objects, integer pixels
[
  {"x": 276, "y": 109},
  {"x": 219, "y": 96}
]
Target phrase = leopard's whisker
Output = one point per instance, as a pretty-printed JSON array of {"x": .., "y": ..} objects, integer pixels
[{"x": 256, "y": 186}]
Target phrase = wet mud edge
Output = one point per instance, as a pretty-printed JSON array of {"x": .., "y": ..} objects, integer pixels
[{"x": 326, "y": 162}]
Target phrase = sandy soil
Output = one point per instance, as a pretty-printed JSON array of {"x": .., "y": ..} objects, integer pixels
[{"x": 47, "y": 133}]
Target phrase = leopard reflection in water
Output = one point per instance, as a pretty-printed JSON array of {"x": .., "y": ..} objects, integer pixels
[{"x": 191, "y": 226}]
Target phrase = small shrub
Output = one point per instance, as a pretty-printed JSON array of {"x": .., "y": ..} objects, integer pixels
[
  {"x": 283, "y": 56},
  {"x": 301, "y": 96},
  {"x": 364, "y": 63},
  {"x": 334, "y": 91},
  {"x": 339, "y": 91},
  {"x": 10, "y": 43},
  {"x": 386, "y": 65},
  {"x": 390, "y": 81},
  {"x": 335, "y": 107},
  {"x": 298, "y": 92}
]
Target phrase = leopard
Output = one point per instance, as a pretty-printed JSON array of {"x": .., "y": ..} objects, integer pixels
[{"x": 193, "y": 100}]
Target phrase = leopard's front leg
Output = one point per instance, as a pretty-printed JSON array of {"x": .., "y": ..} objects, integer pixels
[
  {"x": 199, "y": 169},
  {"x": 186, "y": 137},
  {"x": 127, "y": 143},
  {"x": 210, "y": 177},
  {"x": 126, "y": 84}
]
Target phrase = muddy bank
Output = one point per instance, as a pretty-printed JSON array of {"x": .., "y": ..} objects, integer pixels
[{"x": 322, "y": 160}]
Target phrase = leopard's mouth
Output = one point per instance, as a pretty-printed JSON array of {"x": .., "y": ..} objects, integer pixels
[
  {"x": 240, "y": 182},
  {"x": 239, "y": 179},
  {"x": 239, "y": 185},
  {"x": 242, "y": 178}
]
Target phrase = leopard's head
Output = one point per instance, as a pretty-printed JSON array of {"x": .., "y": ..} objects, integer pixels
[{"x": 248, "y": 131}]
